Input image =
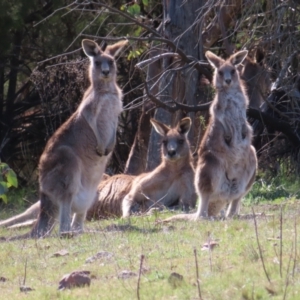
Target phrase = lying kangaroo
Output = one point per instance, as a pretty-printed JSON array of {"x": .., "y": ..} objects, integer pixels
[
  {"x": 227, "y": 162},
  {"x": 172, "y": 179},
  {"x": 75, "y": 157}
]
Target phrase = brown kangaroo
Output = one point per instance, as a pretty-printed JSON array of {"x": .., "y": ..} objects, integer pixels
[
  {"x": 257, "y": 78},
  {"x": 172, "y": 179},
  {"x": 75, "y": 157},
  {"x": 227, "y": 161}
]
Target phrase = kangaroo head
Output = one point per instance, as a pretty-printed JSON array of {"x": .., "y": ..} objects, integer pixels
[
  {"x": 174, "y": 140},
  {"x": 103, "y": 65},
  {"x": 226, "y": 72}
]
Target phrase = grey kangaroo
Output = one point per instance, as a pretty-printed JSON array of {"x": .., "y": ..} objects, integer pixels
[
  {"x": 227, "y": 162},
  {"x": 75, "y": 157}
]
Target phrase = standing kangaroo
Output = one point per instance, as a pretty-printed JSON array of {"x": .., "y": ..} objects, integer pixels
[
  {"x": 75, "y": 157},
  {"x": 171, "y": 180},
  {"x": 227, "y": 161}
]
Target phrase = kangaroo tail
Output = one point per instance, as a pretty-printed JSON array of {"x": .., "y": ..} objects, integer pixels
[
  {"x": 181, "y": 217},
  {"x": 31, "y": 213},
  {"x": 44, "y": 223}
]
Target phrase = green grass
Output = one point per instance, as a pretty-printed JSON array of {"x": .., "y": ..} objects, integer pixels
[{"x": 233, "y": 270}]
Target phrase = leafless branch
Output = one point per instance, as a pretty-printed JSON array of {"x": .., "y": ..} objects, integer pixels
[{"x": 176, "y": 106}]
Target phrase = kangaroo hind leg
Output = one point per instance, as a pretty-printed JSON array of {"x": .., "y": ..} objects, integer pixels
[
  {"x": 77, "y": 222},
  {"x": 46, "y": 218},
  {"x": 233, "y": 208}
]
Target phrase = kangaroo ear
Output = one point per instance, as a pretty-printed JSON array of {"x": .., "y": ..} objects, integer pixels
[
  {"x": 114, "y": 49},
  {"x": 213, "y": 59},
  {"x": 184, "y": 125},
  {"x": 237, "y": 58},
  {"x": 90, "y": 48},
  {"x": 159, "y": 127}
]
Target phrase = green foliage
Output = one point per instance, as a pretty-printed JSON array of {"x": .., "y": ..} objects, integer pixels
[
  {"x": 135, "y": 53},
  {"x": 276, "y": 189},
  {"x": 8, "y": 179},
  {"x": 133, "y": 9}
]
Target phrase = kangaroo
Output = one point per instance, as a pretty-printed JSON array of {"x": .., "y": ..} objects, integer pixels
[
  {"x": 257, "y": 79},
  {"x": 172, "y": 179},
  {"x": 107, "y": 202},
  {"x": 227, "y": 163},
  {"x": 75, "y": 157}
]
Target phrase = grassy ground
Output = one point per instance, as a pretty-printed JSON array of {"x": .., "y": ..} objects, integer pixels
[{"x": 232, "y": 270}]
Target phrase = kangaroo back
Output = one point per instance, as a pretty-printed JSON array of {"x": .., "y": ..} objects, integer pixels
[{"x": 110, "y": 196}]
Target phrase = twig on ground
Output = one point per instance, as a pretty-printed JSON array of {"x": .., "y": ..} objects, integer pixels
[
  {"x": 25, "y": 273},
  {"x": 295, "y": 243},
  {"x": 197, "y": 274},
  {"x": 287, "y": 273},
  {"x": 259, "y": 248},
  {"x": 139, "y": 278},
  {"x": 280, "y": 250},
  {"x": 209, "y": 249}
]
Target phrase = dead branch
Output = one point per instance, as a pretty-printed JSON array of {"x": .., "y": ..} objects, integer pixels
[
  {"x": 176, "y": 106},
  {"x": 275, "y": 124}
]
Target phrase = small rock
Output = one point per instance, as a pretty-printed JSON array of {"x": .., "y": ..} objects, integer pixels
[
  {"x": 3, "y": 279},
  {"x": 25, "y": 289},
  {"x": 63, "y": 252},
  {"x": 99, "y": 255},
  {"x": 209, "y": 246},
  {"x": 75, "y": 279},
  {"x": 175, "y": 280},
  {"x": 126, "y": 274}
]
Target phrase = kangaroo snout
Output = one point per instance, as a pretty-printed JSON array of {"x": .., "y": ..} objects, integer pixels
[
  {"x": 171, "y": 153},
  {"x": 228, "y": 81},
  {"x": 105, "y": 72}
]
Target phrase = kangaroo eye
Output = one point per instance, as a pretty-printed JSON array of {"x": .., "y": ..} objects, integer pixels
[
  {"x": 180, "y": 142},
  {"x": 232, "y": 72},
  {"x": 165, "y": 142},
  {"x": 97, "y": 63},
  {"x": 220, "y": 73},
  {"x": 110, "y": 62}
]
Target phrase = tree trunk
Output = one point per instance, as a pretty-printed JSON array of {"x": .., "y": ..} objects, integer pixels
[
  {"x": 181, "y": 28},
  {"x": 137, "y": 160}
]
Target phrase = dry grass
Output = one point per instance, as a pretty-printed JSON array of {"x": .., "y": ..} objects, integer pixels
[{"x": 232, "y": 270}]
